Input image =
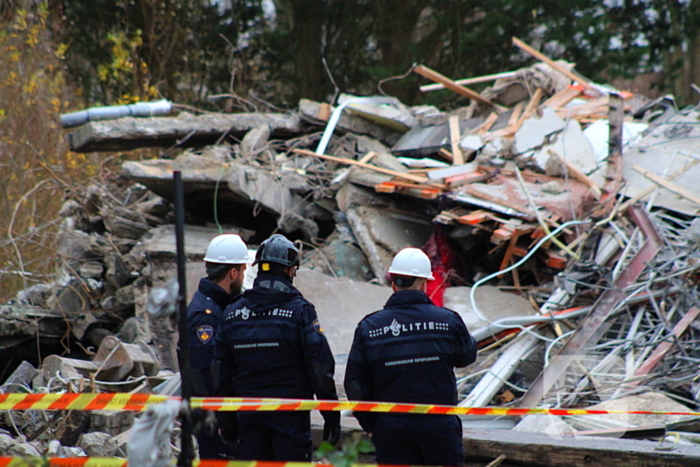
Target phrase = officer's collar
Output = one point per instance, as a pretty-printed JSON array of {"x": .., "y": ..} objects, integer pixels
[
  {"x": 272, "y": 281},
  {"x": 215, "y": 291},
  {"x": 408, "y": 297}
]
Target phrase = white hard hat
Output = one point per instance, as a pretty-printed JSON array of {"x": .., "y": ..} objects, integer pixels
[
  {"x": 411, "y": 262},
  {"x": 227, "y": 249}
]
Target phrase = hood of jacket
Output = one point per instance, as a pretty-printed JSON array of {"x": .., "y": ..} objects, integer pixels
[{"x": 269, "y": 291}]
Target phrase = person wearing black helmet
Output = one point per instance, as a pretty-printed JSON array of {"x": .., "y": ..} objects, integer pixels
[{"x": 270, "y": 344}]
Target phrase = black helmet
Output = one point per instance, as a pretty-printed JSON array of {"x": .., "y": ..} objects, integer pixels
[{"x": 277, "y": 249}]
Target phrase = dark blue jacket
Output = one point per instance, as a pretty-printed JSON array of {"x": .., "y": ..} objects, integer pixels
[
  {"x": 407, "y": 352},
  {"x": 204, "y": 314},
  {"x": 270, "y": 344}
]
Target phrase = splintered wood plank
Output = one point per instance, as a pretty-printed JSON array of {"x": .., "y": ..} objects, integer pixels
[
  {"x": 508, "y": 255},
  {"x": 452, "y": 86},
  {"x": 515, "y": 115},
  {"x": 510, "y": 130},
  {"x": 457, "y": 156},
  {"x": 385, "y": 187},
  {"x": 578, "y": 175},
  {"x": 466, "y": 81},
  {"x": 554, "y": 260},
  {"x": 469, "y": 177},
  {"x": 486, "y": 126},
  {"x": 531, "y": 106},
  {"x": 476, "y": 217},
  {"x": 340, "y": 160},
  {"x": 563, "y": 97},
  {"x": 666, "y": 183}
]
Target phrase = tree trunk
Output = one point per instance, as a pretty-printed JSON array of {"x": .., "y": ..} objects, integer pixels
[
  {"x": 307, "y": 35},
  {"x": 396, "y": 23}
]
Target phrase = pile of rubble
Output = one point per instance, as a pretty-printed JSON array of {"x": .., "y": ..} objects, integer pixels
[{"x": 575, "y": 202}]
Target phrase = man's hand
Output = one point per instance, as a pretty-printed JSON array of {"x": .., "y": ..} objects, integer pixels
[{"x": 331, "y": 427}]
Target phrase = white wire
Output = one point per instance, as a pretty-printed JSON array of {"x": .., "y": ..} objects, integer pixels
[
  {"x": 472, "y": 294},
  {"x": 551, "y": 344}
]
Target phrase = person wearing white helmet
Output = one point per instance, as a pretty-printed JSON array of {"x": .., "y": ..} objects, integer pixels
[
  {"x": 407, "y": 353},
  {"x": 225, "y": 262}
]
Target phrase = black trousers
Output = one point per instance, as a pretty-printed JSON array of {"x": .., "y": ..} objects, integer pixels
[
  {"x": 212, "y": 447},
  {"x": 403, "y": 445},
  {"x": 275, "y": 436}
]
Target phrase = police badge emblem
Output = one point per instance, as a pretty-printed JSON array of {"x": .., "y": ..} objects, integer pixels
[{"x": 205, "y": 333}]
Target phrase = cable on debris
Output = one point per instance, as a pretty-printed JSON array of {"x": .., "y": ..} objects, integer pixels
[
  {"x": 394, "y": 78},
  {"x": 533, "y": 250}
]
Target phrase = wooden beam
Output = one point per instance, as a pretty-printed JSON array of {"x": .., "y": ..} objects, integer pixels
[
  {"x": 493, "y": 116},
  {"x": 531, "y": 106},
  {"x": 666, "y": 183},
  {"x": 467, "y": 81},
  {"x": 457, "y": 156},
  {"x": 555, "y": 66},
  {"x": 507, "y": 204},
  {"x": 515, "y": 115},
  {"x": 340, "y": 160},
  {"x": 345, "y": 173},
  {"x": 650, "y": 189},
  {"x": 578, "y": 175},
  {"x": 542, "y": 450},
  {"x": 562, "y": 98},
  {"x": 452, "y": 86},
  {"x": 510, "y": 130}
]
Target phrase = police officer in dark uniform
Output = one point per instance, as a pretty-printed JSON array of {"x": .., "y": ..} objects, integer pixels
[
  {"x": 271, "y": 345},
  {"x": 225, "y": 263},
  {"x": 407, "y": 352}
]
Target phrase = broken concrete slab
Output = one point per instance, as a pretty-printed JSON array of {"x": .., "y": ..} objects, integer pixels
[
  {"x": 510, "y": 90},
  {"x": 395, "y": 116},
  {"x": 573, "y": 146},
  {"x": 340, "y": 257},
  {"x": 568, "y": 199},
  {"x": 534, "y": 130},
  {"x": 21, "y": 322},
  {"x": 350, "y": 195},
  {"x": 185, "y": 130},
  {"x": 670, "y": 151},
  {"x": 160, "y": 241},
  {"x": 638, "y": 402},
  {"x": 347, "y": 122},
  {"x": 382, "y": 233},
  {"x": 367, "y": 178},
  {"x": 20, "y": 380},
  {"x": 471, "y": 143},
  {"x": 424, "y": 141},
  {"x": 598, "y": 134},
  {"x": 255, "y": 141},
  {"x": 240, "y": 187},
  {"x": 97, "y": 444},
  {"x": 492, "y": 303}
]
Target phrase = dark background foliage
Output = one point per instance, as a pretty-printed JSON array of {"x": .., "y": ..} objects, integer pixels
[{"x": 190, "y": 50}]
